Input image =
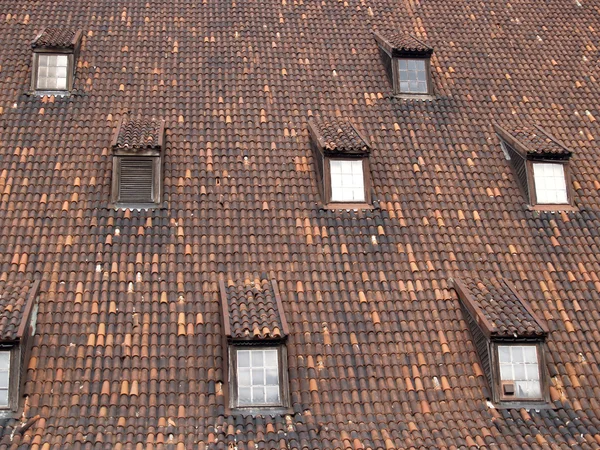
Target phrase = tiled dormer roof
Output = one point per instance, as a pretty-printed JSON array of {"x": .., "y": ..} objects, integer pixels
[
  {"x": 398, "y": 44},
  {"x": 59, "y": 38},
  {"x": 252, "y": 309},
  {"x": 139, "y": 134},
  {"x": 533, "y": 140},
  {"x": 337, "y": 136},
  {"x": 498, "y": 309},
  {"x": 16, "y": 301}
]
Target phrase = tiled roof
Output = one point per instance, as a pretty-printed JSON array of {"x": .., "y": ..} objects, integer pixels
[
  {"x": 534, "y": 140},
  {"x": 399, "y": 43},
  {"x": 129, "y": 347},
  {"x": 337, "y": 136},
  {"x": 498, "y": 309},
  {"x": 16, "y": 300},
  {"x": 253, "y": 310},
  {"x": 137, "y": 134},
  {"x": 56, "y": 38}
]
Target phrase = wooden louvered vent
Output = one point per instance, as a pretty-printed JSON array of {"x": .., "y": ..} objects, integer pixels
[{"x": 136, "y": 180}]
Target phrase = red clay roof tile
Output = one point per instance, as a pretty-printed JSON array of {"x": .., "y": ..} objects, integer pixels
[{"x": 57, "y": 38}]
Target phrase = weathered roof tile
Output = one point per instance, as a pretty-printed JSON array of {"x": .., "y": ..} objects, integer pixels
[{"x": 337, "y": 136}]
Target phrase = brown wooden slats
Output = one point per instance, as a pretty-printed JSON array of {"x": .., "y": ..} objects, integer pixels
[{"x": 136, "y": 180}]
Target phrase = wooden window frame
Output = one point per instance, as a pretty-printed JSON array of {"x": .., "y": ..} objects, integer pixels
[
  {"x": 396, "y": 76},
  {"x": 116, "y": 202},
  {"x": 327, "y": 191},
  {"x": 534, "y": 205},
  {"x": 70, "y": 71},
  {"x": 508, "y": 401},
  {"x": 232, "y": 392}
]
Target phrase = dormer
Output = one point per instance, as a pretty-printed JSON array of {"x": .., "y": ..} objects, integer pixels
[
  {"x": 18, "y": 314},
  {"x": 255, "y": 332},
  {"x": 342, "y": 162},
  {"x": 540, "y": 163},
  {"x": 407, "y": 61},
  {"x": 509, "y": 339},
  {"x": 55, "y": 53},
  {"x": 138, "y": 147}
]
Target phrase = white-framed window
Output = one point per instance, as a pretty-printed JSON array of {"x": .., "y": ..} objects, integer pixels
[
  {"x": 347, "y": 180},
  {"x": 550, "y": 183},
  {"x": 52, "y": 72},
  {"x": 519, "y": 372},
  {"x": 413, "y": 75},
  {"x": 258, "y": 378},
  {"x": 4, "y": 378}
]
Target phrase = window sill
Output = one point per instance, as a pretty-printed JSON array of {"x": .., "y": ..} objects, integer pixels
[
  {"x": 64, "y": 93},
  {"x": 524, "y": 405},
  {"x": 260, "y": 411},
  {"x": 138, "y": 206},
  {"x": 543, "y": 207},
  {"x": 408, "y": 96},
  {"x": 343, "y": 205}
]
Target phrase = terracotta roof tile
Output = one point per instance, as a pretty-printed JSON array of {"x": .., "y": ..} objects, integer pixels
[
  {"x": 337, "y": 136},
  {"x": 253, "y": 310},
  {"x": 57, "y": 38}
]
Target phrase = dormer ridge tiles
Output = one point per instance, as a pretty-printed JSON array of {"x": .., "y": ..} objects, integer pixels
[
  {"x": 532, "y": 141},
  {"x": 402, "y": 44},
  {"x": 57, "y": 38},
  {"x": 16, "y": 303},
  {"x": 252, "y": 310},
  {"x": 498, "y": 309},
  {"x": 337, "y": 136},
  {"x": 139, "y": 134}
]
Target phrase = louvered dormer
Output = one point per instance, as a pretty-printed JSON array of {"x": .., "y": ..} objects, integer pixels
[{"x": 138, "y": 149}]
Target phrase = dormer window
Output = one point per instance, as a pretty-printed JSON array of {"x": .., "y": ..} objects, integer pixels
[
  {"x": 509, "y": 340},
  {"x": 342, "y": 161},
  {"x": 18, "y": 306},
  {"x": 256, "y": 332},
  {"x": 540, "y": 164},
  {"x": 55, "y": 52},
  {"x": 138, "y": 148},
  {"x": 407, "y": 62}
]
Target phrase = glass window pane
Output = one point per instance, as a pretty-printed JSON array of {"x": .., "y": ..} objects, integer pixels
[
  {"x": 4, "y": 379},
  {"x": 256, "y": 357},
  {"x": 272, "y": 394},
  {"x": 504, "y": 353},
  {"x": 517, "y": 354},
  {"x": 244, "y": 378},
  {"x": 506, "y": 372},
  {"x": 258, "y": 376},
  {"x": 550, "y": 183},
  {"x": 270, "y": 358},
  {"x": 530, "y": 354},
  {"x": 258, "y": 394},
  {"x": 3, "y": 397},
  {"x": 4, "y": 360},
  {"x": 347, "y": 180},
  {"x": 272, "y": 376},
  {"x": 243, "y": 358},
  {"x": 244, "y": 396}
]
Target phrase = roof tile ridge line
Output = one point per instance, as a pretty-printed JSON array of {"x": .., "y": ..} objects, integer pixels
[
  {"x": 35, "y": 287},
  {"x": 507, "y": 136},
  {"x": 77, "y": 36},
  {"x": 224, "y": 308},
  {"x": 284, "y": 324},
  {"x": 552, "y": 138},
  {"x": 513, "y": 289},
  {"x": 116, "y": 132},
  {"x": 425, "y": 44},
  {"x": 366, "y": 142},
  {"x": 472, "y": 306},
  {"x": 313, "y": 129},
  {"x": 161, "y": 133}
]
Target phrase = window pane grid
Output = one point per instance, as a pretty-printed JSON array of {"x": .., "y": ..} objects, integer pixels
[
  {"x": 519, "y": 364},
  {"x": 413, "y": 76},
  {"x": 258, "y": 377},
  {"x": 550, "y": 183},
  {"x": 52, "y": 72},
  {"x": 347, "y": 180}
]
